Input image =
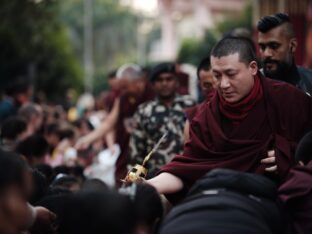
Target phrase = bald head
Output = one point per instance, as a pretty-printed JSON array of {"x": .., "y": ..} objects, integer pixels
[
  {"x": 131, "y": 79},
  {"x": 129, "y": 72}
]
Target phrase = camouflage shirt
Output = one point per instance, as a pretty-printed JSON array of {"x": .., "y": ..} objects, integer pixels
[{"x": 152, "y": 120}]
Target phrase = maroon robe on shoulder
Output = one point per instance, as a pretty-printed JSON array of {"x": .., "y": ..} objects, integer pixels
[
  {"x": 296, "y": 195},
  {"x": 191, "y": 111},
  {"x": 183, "y": 79},
  {"x": 279, "y": 120},
  {"x": 127, "y": 107}
]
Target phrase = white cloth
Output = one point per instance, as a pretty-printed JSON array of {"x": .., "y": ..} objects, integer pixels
[{"x": 104, "y": 166}]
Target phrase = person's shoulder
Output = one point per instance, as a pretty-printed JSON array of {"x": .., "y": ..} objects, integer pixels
[
  {"x": 278, "y": 87},
  {"x": 145, "y": 106},
  {"x": 305, "y": 71},
  {"x": 298, "y": 177},
  {"x": 305, "y": 74},
  {"x": 288, "y": 100},
  {"x": 190, "y": 112},
  {"x": 5, "y": 103}
]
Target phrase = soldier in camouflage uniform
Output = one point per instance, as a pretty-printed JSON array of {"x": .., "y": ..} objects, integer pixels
[{"x": 154, "y": 118}]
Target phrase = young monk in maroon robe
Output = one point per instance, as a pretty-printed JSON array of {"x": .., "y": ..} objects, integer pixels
[
  {"x": 134, "y": 89},
  {"x": 206, "y": 83},
  {"x": 296, "y": 192},
  {"x": 251, "y": 124}
]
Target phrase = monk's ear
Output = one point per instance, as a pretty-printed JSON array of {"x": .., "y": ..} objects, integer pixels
[{"x": 253, "y": 67}]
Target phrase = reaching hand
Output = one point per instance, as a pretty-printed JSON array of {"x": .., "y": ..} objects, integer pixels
[
  {"x": 63, "y": 145},
  {"x": 82, "y": 143},
  {"x": 270, "y": 161}
]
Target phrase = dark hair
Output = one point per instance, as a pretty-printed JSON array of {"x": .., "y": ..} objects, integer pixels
[
  {"x": 203, "y": 65},
  {"x": 46, "y": 170},
  {"x": 66, "y": 132},
  {"x": 232, "y": 45},
  {"x": 17, "y": 87},
  {"x": 94, "y": 185},
  {"x": 74, "y": 173},
  {"x": 51, "y": 128},
  {"x": 64, "y": 181},
  {"x": 57, "y": 191},
  {"x": 147, "y": 196},
  {"x": 33, "y": 146},
  {"x": 78, "y": 123},
  {"x": 12, "y": 169},
  {"x": 269, "y": 22},
  {"x": 147, "y": 71},
  {"x": 55, "y": 202},
  {"x": 40, "y": 186},
  {"x": 304, "y": 149},
  {"x": 166, "y": 67},
  {"x": 97, "y": 213},
  {"x": 12, "y": 127},
  {"x": 112, "y": 74},
  {"x": 28, "y": 110}
]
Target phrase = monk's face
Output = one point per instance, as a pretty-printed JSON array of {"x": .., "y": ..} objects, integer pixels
[
  {"x": 205, "y": 81},
  {"x": 277, "y": 50},
  {"x": 233, "y": 79}
]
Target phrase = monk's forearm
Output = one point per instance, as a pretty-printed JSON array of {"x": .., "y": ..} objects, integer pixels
[{"x": 166, "y": 183}]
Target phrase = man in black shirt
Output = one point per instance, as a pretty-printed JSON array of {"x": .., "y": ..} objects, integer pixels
[{"x": 277, "y": 42}]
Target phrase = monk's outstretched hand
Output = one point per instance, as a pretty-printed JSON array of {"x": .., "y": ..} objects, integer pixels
[{"x": 270, "y": 161}]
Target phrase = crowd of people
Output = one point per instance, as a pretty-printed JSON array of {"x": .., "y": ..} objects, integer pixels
[{"x": 235, "y": 155}]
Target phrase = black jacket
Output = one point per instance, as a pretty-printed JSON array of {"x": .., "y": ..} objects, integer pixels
[
  {"x": 227, "y": 201},
  {"x": 305, "y": 82}
]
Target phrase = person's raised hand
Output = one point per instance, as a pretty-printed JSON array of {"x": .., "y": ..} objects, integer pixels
[{"x": 82, "y": 143}]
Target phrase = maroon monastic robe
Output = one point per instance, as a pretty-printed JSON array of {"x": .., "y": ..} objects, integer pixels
[
  {"x": 296, "y": 194},
  {"x": 278, "y": 121},
  {"x": 128, "y": 106}
]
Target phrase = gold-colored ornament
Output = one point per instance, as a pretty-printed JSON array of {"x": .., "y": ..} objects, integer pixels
[{"x": 139, "y": 172}]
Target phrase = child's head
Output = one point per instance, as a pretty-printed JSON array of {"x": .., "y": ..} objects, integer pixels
[{"x": 304, "y": 150}]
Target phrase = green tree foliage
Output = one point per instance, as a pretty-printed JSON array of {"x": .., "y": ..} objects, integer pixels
[
  {"x": 115, "y": 32},
  {"x": 244, "y": 20},
  {"x": 194, "y": 50},
  {"x": 116, "y": 35},
  {"x": 34, "y": 44}
]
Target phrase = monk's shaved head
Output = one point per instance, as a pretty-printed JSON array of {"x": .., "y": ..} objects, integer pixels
[
  {"x": 130, "y": 72},
  {"x": 232, "y": 45}
]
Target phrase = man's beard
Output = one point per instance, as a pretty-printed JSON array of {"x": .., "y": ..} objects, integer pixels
[{"x": 280, "y": 73}]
